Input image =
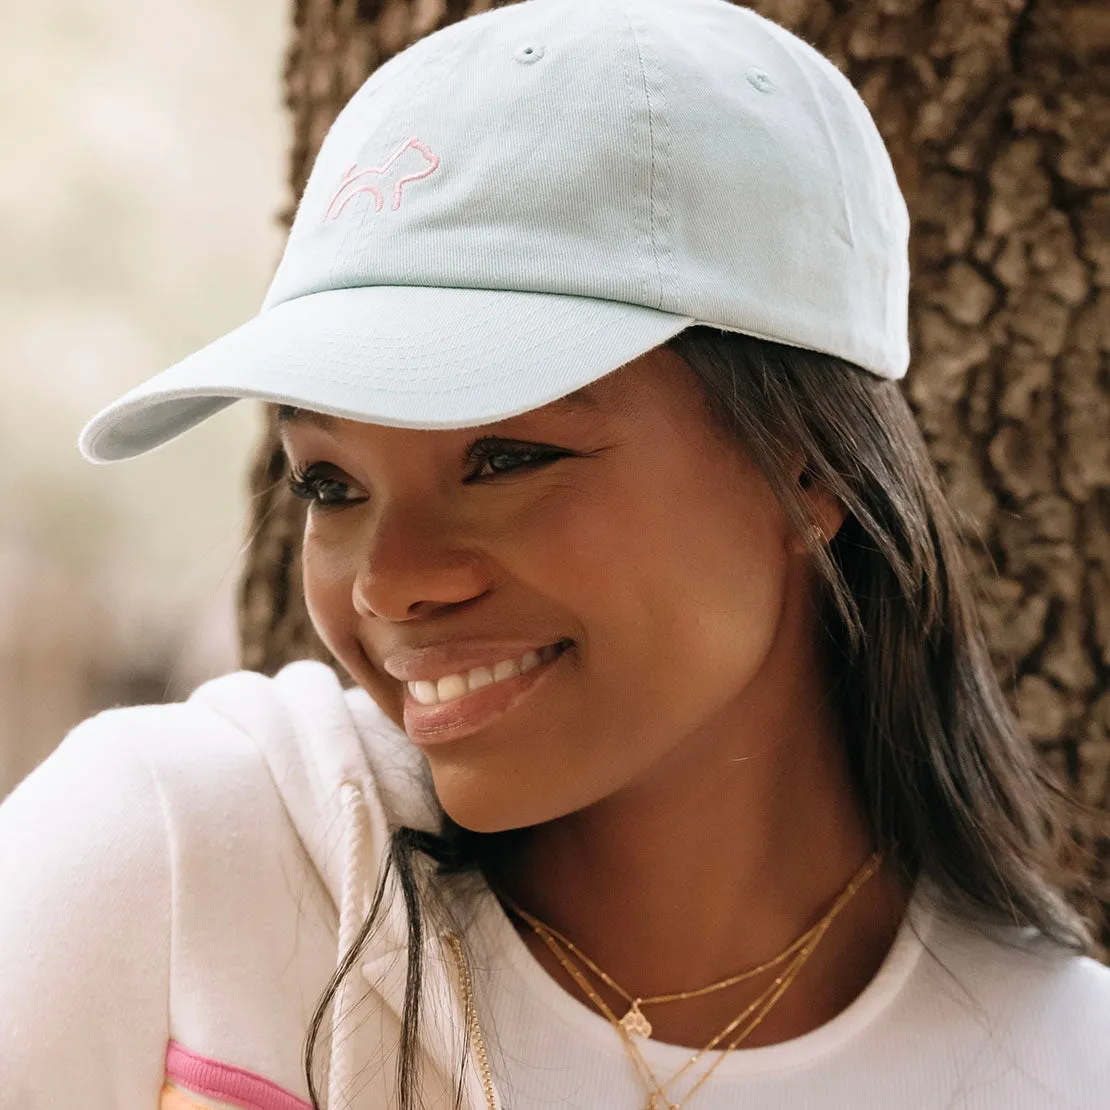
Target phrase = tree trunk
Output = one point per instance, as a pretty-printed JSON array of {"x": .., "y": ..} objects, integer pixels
[{"x": 997, "y": 116}]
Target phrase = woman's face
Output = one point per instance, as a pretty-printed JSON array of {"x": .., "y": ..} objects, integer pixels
[{"x": 618, "y": 523}]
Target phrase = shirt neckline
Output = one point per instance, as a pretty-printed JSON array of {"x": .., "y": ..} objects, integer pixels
[{"x": 888, "y": 982}]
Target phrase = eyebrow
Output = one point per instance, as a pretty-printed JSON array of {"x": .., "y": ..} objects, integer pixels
[
  {"x": 586, "y": 397},
  {"x": 290, "y": 414}
]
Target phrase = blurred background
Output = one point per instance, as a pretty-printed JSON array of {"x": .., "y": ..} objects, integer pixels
[{"x": 145, "y": 155}]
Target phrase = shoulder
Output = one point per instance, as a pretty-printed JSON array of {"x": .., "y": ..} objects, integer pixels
[
  {"x": 1027, "y": 1012},
  {"x": 1004, "y": 964},
  {"x": 170, "y": 864},
  {"x": 85, "y": 921},
  {"x": 249, "y": 762},
  {"x": 239, "y": 741},
  {"x": 133, "y": 765},
  {"x": 96, "y": 783},
  {"x": 128, "y": 793},
  {"x": 104, "y": 816}
]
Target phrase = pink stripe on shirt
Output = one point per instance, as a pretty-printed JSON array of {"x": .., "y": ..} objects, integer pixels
[{"x": 227, "y": 1083}]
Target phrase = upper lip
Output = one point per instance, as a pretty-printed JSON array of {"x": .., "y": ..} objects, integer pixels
[{"x": 433, "y": 661}]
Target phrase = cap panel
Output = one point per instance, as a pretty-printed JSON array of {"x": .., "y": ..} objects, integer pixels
[
  {"x": 765, "y": 149},
  {"x": 880, "y": 219},
  {"x": 535, "y": 174},
  {"x": 743, "y": 264}
]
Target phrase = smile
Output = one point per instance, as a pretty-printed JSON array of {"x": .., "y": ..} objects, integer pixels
[
  {"x": 499, "y": 688},
  {"x": 451, "y": 687}
]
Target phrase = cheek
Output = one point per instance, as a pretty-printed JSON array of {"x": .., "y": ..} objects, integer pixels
[
  {"x": 675, "y": 604},
  {"x": 682, "y": 585},
  {"x": 327, "y": 573},
  {"x": 327, "y": 587},
  {"x": 723, "y": 615}
]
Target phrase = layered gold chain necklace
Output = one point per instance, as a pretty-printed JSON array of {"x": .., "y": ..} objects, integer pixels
[{"x": 635, "y": 1024}]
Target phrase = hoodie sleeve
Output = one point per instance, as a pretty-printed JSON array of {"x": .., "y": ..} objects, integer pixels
[{"x": 85, "y": 926}]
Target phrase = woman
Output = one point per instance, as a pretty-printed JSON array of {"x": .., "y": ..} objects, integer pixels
[{"x": 672, "y": 771}]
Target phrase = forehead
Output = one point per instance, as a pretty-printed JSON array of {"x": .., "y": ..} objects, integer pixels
[{"x": 585, "y": 399}]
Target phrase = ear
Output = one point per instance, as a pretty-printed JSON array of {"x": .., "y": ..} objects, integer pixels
[{"x": 824, "y": 508}]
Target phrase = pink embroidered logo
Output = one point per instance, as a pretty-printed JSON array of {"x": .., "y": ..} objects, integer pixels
[{"x": 374, "y": 178}]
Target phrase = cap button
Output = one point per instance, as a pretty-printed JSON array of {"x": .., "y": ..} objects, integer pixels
[{"x": 527, "y": 53}]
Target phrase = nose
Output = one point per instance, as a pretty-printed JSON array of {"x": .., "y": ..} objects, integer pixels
[{"x": 415, "y": 563}]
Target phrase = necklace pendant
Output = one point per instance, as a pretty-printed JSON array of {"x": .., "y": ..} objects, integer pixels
[{"x": 635, "y": 1022}]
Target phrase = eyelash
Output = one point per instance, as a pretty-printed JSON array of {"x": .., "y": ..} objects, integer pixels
[{"x": 306, "y": 482}]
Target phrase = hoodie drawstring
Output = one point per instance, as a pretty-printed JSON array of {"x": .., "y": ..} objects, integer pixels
[
  {"x": 352, "y": 913},
  {"x": 354, "y": 904}
]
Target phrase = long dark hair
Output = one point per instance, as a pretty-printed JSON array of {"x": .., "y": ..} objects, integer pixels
[{"x": 953, "y": 789}]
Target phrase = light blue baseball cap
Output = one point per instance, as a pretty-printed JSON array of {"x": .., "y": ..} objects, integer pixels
[{"x": 527, "y": 200}]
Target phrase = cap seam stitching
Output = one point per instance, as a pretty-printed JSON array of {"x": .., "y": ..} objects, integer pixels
[
  {"x": 641, "y": 231},
  {"x": 658, "y": 293},
  {"x": 802, "y": 66}
]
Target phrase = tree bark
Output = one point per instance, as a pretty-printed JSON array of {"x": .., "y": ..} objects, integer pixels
[{"x": 997, "y": 116}]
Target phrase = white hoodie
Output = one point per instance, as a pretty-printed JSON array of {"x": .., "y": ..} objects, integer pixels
[
  {"x": 159, "y": 891},
  {"x": 178, "y": 882}
]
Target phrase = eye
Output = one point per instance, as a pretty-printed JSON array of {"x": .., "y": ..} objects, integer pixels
[
  {"x": 315, "y": 485},
  {"x": 503, "y": 456}
]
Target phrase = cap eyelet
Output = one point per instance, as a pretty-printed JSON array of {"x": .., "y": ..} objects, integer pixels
[
  {"x": 760, "y": 79},
  {"x": 528, "y": 53}
]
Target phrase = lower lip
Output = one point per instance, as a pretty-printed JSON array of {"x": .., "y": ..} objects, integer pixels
[{"x": 428, "y": 725}]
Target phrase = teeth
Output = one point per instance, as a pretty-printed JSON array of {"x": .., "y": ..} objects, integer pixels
[
  {"x": 424, "y": 692},
  {"x": 507, "y": 668},
  {"x": 453, "y": 686},
  {"x": 479, "y": 677}
]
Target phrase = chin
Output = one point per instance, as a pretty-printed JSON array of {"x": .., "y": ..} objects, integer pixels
[
  {"x": 487, "y": 805},
  {"x": 482, "y": 814}
]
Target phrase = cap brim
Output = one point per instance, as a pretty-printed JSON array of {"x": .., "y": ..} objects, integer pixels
[{"x": 405, "y": 356}]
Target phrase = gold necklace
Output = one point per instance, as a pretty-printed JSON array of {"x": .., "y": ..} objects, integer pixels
[
  {"x": 470, "y": 1017},
  {"x": 634, "y": 1020},
  {"x": 657, "y": 1094}
]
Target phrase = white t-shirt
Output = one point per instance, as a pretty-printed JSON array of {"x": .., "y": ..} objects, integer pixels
[{"x": 953, "y": 1019}]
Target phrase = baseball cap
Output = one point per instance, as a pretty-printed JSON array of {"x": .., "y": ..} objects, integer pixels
[{"x": 529, "y": 199}]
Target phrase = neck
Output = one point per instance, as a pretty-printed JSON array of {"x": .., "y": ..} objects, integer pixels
[{"x": 715, "y": 863}]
